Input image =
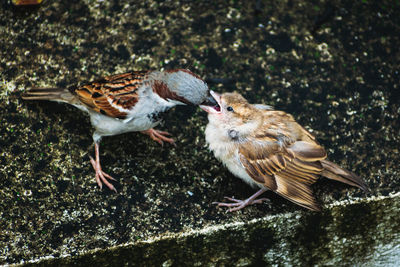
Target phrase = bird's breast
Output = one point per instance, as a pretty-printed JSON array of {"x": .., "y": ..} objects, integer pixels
[
  {"x": 226, "y": 150},
  {"x": 219, "y": 142}
]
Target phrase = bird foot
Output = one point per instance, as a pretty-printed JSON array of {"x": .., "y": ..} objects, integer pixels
[
  {"x": 101, "y": 177},
  {"x": 159, "y": 136},
  {"x": 238, "y": 204}
]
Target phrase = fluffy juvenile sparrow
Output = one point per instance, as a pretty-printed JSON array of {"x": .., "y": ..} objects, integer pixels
[
  {"x": 129, "y": 102},
  {"x": 270, "y": 150}
]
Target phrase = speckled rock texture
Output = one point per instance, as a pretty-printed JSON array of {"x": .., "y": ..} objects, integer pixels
[{"x": 334, "y": 65}]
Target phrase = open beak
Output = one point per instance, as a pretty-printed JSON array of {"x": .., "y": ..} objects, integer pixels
[{"x": 214, "y": 106}]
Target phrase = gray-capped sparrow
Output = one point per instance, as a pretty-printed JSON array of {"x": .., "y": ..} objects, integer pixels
[{"x": 129, "y": 102}]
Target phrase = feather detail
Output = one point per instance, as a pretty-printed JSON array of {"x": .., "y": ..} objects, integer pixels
[
  {"x": 297, "y": 192},
  {"x": 307, "y": 151},
  {"x": 288, "y": 171},
  {"x": 335, "y": 172},
  {"x": 164, "y": 92},
  {"x": 54, "y": 94},
  {"x": 284, "y": 157},
  {"x": 113, "y": 95}
]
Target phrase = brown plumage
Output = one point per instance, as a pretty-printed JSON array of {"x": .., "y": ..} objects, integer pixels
[
  {"x": 129, "y": 102},
  {"x": 268, "y": 148},
  {"x": 108, "y": 96}
]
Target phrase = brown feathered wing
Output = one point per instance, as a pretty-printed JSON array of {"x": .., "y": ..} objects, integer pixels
[
  {"x": 287, "y": 168},
  {"x": 112, "y": 95}
]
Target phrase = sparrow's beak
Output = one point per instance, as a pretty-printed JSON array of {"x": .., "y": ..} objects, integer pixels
[
  {"x": 215, "y": 103},
  {"x": 210, "y": 101}
]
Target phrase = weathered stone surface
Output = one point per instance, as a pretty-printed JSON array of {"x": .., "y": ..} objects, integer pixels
[
  {"x": 362, "y": 234},
  {"x": 334, "y": 65}
]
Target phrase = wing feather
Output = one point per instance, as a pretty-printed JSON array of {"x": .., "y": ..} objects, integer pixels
[
  {"x": 296, "y": 192},
  {"x": 259, "y": 174},
  {"x": 287, "y": 168},
  {"x": 113, "y": 95}
]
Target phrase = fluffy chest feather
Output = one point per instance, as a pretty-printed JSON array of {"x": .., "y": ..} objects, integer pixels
[{"x": 227, "y": 151}]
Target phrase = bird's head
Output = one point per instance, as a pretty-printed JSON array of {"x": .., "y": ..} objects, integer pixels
[
  {"x": 234, "y": 114},
  {"x": 183, "y": 87}
]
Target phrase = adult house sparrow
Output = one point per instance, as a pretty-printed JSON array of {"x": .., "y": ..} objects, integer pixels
[
  {"x": 129, "y": 102},
  {"x": 268, "y": 149}
]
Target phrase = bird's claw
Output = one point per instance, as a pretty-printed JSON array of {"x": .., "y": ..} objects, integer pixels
[
  {"x": 160, "y": 136},
  {"x": 101, "y": 177},
  {"x": 238, "y": 204}
]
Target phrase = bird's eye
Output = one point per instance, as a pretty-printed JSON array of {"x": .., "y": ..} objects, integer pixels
[{"x": 229, "y": 109}]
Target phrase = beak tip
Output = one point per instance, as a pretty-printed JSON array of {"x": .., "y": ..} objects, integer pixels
[{"x": 210, "y": 101}]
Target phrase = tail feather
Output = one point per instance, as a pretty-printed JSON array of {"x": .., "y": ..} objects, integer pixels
[
  {"x": 54, "y": 94},
  {"x": 335, "y": 172}
]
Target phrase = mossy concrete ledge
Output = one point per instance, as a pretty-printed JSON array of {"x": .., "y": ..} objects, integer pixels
[{"x": 343, "y": 234}]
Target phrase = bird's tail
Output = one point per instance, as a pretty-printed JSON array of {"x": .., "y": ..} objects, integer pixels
[
  {"x": 335, "y": 172},
  {"x": 54, "y": 94}
]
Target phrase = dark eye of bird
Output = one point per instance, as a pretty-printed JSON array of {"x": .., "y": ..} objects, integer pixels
[{"x": 229, "y": 108}]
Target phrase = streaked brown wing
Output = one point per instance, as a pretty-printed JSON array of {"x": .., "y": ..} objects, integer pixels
[
  {"x": 285, "y": 168},
  {"x": 112, "y": 95}
]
